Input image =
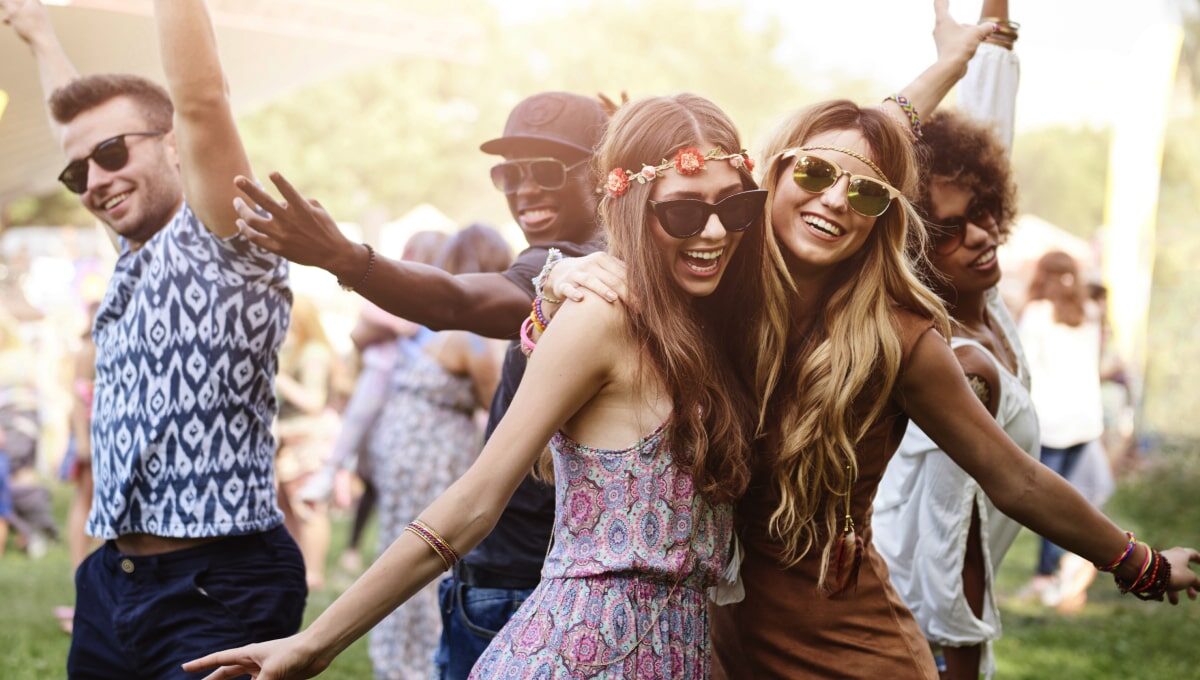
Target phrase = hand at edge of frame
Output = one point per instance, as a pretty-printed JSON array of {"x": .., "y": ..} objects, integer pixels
[
  {"x": 287, "y": 658},
  {"x": 1183, "y": 579}
]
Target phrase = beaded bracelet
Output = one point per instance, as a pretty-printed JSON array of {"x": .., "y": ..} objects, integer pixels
[
  {"x": 537, "y": 323},
  {"x": 434, "y": 540},
  {"x": 914, "y": 119},
  {"x": 1155, "y": 585},
  {"x": 1115, "y": 564},
  {"x": 367, "y": 272},
  {"x": 541, "y": 316}
]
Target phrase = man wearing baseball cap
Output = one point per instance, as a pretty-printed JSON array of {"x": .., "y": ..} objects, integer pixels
[{"x": 547, "y": 143}]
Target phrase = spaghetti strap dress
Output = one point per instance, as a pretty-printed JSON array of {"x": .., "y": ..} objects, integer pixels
[{"x": 623, "y": 589}]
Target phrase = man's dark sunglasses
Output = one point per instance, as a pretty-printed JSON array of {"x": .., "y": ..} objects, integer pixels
[
  {"x": 112, "y": 154},
  {"x": 548, "y": 173},
  {"x": 686, "y": 217}
]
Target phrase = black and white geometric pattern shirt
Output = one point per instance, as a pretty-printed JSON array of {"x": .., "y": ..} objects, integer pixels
[{"x": 187, "y": 345}]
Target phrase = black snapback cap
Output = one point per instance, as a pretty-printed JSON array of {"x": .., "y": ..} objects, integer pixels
[{"x": 550, "y": 122}]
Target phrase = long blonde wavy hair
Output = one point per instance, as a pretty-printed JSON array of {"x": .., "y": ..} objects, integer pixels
[
  {"x": 843, "y": 365},
  {"x": 703, "y": 349}
]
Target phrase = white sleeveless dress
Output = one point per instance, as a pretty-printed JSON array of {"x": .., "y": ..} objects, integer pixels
[{"x": 923, "y": 514}]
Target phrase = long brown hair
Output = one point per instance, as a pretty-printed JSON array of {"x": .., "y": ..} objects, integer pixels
[
  {"x": 843, "y": 366},
  {"x": 712, "y": 354},
  {"x": 1056, "y": 278}
]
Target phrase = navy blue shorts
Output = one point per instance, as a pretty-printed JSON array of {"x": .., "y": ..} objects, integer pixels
[{"x": 141, "y": 617}]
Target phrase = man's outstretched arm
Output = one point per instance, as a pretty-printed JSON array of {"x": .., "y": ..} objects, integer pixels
[
  {"x": 32, "y": 25},
  {"x": 301, "y": 230},
  {"x": 210, "y": 150}
]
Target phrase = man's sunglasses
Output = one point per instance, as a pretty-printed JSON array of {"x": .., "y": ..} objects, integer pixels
[
  {"x": 548, "y": 173},
  {"x": 867, "y": 196},
  {"x": 948, "y": 235},
  {"x": 112, "y": 154},
  {"x": 686, "y": 217}
]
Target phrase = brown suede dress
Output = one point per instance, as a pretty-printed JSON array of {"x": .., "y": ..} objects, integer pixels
[{"x": 785, "y": 628}]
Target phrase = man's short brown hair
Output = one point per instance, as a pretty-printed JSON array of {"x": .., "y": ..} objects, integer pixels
[
  {"x": 971, "y": 156},
  {"x": 88, "y": 92}
]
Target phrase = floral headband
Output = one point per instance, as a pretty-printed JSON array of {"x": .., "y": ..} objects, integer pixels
[{"x": 687, "y": 161}]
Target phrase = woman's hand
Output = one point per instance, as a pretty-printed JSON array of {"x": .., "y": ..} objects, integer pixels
[
  {"x": 954, "y": 41},
  {"x": 297, "y": 228},
  {"x": 1182, "y": 576},
  {"x": 283, "y": 659},
  {"x": 599, "y": 273}
]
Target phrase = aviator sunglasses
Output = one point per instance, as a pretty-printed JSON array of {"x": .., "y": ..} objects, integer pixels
[
  {"x": 112, "y": 154},
  {"x": 867, "y": 196},
  {"x": 686, "y": 217},
  {"x": 548, "y": 173}
]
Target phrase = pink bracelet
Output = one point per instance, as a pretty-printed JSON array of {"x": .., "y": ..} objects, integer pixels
[{"x": 527, "y": 343}]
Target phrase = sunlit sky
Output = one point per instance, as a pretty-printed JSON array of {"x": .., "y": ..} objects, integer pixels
[{"x": 1075, "y": 54}]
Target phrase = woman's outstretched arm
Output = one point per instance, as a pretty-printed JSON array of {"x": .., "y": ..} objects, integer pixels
[{"x": 574, "y": 361}]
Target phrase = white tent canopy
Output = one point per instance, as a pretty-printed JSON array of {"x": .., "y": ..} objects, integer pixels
[{"x": 268, "y": 47}]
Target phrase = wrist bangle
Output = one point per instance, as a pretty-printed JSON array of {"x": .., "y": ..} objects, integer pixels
[
  {"x": 553, "y": 257},
  {"x": 527, "y": 343},
  {"x": 367, "y": 272},
  {"x": 914, "y": 119},
  {"x": 1116, "y": 564}
]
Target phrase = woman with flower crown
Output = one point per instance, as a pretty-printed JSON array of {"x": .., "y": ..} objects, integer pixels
[{"x": 649, "y": 429}]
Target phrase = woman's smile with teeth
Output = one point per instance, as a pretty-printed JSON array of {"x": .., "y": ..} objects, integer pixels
[
  {"x": 703, "y": 261},
  {"x": 986, "y": 258},
  {"x": 823, "y": 225}
]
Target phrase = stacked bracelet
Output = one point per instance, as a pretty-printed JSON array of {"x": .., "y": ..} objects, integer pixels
[
  {"x": 1006, "y": 32},
  {"x": 366, "y": 272},
  {"x": 914, "y": 119},
  {"x": 434, "y": 540},
  {"x": 1152, "y": 580},
  {"x": 1115, "y": 564}
]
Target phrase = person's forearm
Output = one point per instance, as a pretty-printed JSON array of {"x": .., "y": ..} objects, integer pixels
[
  {"x": 997, "y": 9},
  {"x": 190, "y": 60},
  {"x": 430, "y": 296},
  {"x": 928, "y": 90},
  {"x": 463, "y": 516},
  {"x": 1039, "y": 499}
]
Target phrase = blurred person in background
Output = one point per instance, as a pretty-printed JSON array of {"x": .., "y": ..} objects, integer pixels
[
  {"x": 306, "y": 428},
  {"x": 427, "y": 437},
  {"x": 374, "y": 335},
  {"x": 183, "y": 454},
  {"x": 30, "y": 512},
  {"x": 77, "y": 464},
  {"x": 1060, "y": 330}
]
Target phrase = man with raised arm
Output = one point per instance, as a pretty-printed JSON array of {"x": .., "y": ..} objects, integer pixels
[
  {"x": 196, "y": 558},
  {"x": 546, "y": 145}
]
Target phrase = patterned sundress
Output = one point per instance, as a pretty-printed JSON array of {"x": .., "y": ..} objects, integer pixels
[
  {"x": 426, "y": 438},
  {"x": 623, "y": 589}
]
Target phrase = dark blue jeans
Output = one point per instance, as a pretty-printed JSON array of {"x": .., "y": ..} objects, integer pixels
[
  {"x": 1063, "y": 462},
  {"x": 141, "y": 617},
  {"x": 471, "y": 617}
]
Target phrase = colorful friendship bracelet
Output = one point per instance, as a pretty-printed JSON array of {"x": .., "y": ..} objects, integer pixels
[
  {"x": 1152, "y": 581},
  {"x": 914, "y": 119},
  {"x": 1115, "y": 564},
  {"x": 540, "y": 315},
  {"x": 440, "y": 546}
]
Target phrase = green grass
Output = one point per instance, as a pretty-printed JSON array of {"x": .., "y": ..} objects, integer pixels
[
  {"x": 33, "y": 648},
  {"x": 1113, "y": 637}
]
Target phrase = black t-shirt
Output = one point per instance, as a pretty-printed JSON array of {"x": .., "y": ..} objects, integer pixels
[{"x": 517, "y": 546}]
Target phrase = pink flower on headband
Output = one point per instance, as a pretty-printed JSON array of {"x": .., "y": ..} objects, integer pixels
[
  {"x": 737, "y": 162},
  {"x": 648, "y": 174},
  {"x": 689, "y": 161},
  {"x": 617, "y": 183}
]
